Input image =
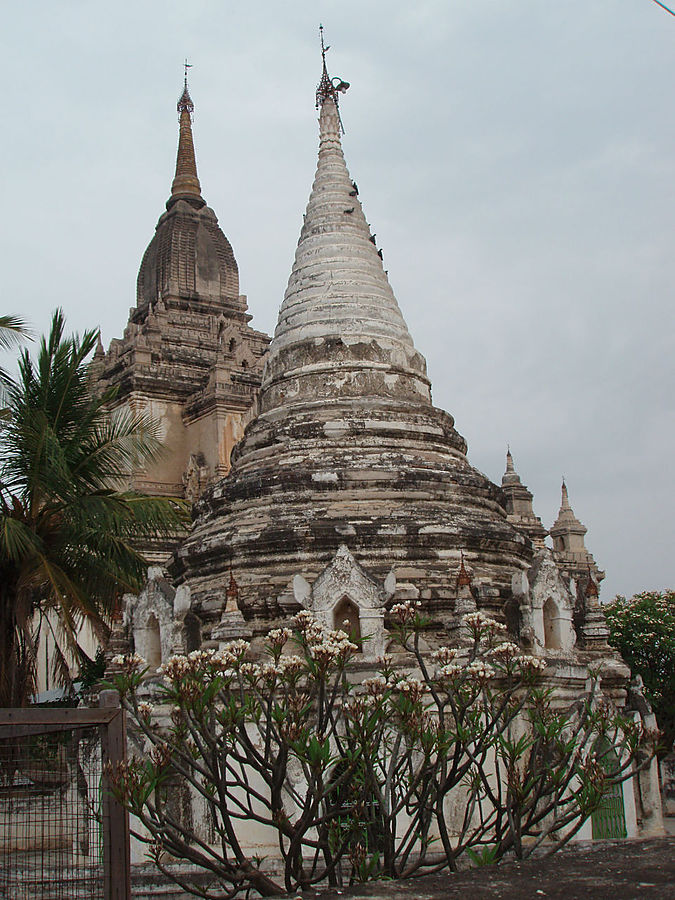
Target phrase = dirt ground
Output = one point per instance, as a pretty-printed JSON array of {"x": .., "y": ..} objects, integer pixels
[{"x": 602, "y": 870}]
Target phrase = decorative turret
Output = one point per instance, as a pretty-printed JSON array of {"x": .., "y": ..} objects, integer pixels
[
  {"x": 465, "y": 602},
  {"x": 594, "y": 628},
  {"x": 232, "y": 624},
  {"x": 569, "y": 548},
  {"x": 519, "y": 505}
]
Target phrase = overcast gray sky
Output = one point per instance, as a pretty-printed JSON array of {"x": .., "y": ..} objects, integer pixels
[{"x": 516, "y": 159}]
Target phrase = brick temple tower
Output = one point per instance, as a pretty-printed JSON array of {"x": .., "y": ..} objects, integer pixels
[{"x": 188, "y": 356}]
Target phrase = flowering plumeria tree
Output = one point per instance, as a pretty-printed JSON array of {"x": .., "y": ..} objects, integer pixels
[{"x": 399, "y": 774}]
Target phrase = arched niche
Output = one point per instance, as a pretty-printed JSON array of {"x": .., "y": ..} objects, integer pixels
[
  {"x": 153, "y": 644},
  {"x": 346, "y": 618},
  {"x": 513, "y": 617},
  {"x": 344, "y": 591},
  {"x": 552, "y": 635},
  {"x": 192, "y": 632}
]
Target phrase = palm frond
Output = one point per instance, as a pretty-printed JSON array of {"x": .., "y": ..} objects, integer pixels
[{"x": 12, "y": 330}]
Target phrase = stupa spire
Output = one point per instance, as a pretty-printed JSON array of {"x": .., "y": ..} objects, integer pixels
[
  {"x": 510, "y": 475},
  {"x": 339, "y": 304},
  {"x": 565, "y": 500},
  {"x": 185, "y": 183}
]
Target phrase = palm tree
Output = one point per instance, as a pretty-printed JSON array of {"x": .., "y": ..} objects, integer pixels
[
  {"x": 12, "y": 330},
  {"x": 68, "y": 531}
]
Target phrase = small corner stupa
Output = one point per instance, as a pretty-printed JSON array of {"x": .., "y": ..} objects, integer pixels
[
  {"x": 569, "y": 546},
  {"x": 519, "y": 505}
]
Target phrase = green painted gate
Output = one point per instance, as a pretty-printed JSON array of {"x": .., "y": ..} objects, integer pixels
[{"x": 609, "y": 819}]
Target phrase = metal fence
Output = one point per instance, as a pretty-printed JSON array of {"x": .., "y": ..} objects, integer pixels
[{"x": 63, "y": 836}]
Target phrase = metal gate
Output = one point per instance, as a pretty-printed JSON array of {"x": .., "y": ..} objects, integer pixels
[
  {"x": 609, "y": 819},
  {"x": 63, "y": 836}
]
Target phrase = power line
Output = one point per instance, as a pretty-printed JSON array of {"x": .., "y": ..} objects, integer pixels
[{"x": 658, "y": 3}]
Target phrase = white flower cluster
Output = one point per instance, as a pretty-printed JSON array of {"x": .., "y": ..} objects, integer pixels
[
  {"x": 445, "y": 655},
  {"x": 412, "y": 687},
  {"x": 481, "y": 671},
  {"x": 145, "y": 710},
  {"x": 200, "y": 658},
  {"x": 175, "y": 667},
  {"x": 250, "y": 670},
  {"x": 474, "y": 671},
  {"x": 506, "y": 650},
  {"x": 334, "y": 646},
  {"x": 323, "y": 644},
  {"x": 479, "y": 620},
  {"x": 405, "y": 612},
  {"x": 130, "y": 662},
  {"x": 290, "y": 665},
  {"x": 279, "y": 636},
  {"x": 530, "y": 662},
  {"x": 237, "y": 648},
  {"x": 200, "y": 661},
  {"x": 451, "y": 670},
  {"x": 304, "y": 621},
  {"x": 375, "y": 686},
  {"x": 286, "y": 665}
]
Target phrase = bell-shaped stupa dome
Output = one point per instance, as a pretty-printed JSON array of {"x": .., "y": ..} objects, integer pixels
[
  {"x": 189, "y": 257},
  {"x": 347, "y": 449}
]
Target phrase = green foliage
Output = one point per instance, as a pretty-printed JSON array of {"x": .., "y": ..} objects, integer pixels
[
  {"x": 643, "y": 630},
  {"x": 91, "y": 670},
  {"x": 485, "y": 857},
  {"x": 67, "y": 532}
]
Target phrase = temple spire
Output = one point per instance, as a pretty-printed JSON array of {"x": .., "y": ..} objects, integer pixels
[{"x": 186, "y": 183}]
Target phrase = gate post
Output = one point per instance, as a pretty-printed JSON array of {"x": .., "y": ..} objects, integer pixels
[{"x": 116, "y": 850}]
